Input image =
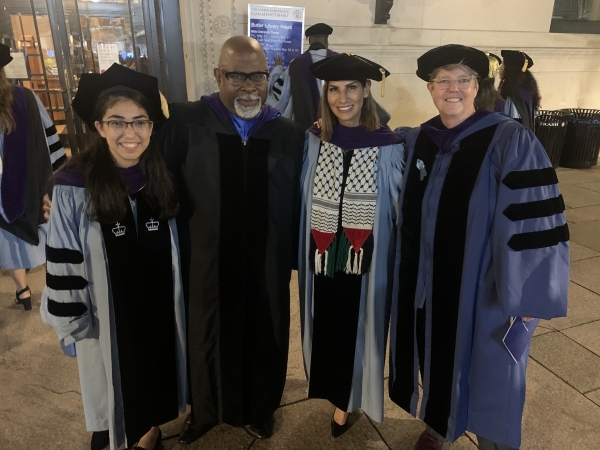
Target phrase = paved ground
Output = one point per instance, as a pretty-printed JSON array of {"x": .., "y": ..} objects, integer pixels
[{"x": 40, "y": 401}]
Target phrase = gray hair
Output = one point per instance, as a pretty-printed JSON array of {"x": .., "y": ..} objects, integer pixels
[{"x": 452, "y": 68}]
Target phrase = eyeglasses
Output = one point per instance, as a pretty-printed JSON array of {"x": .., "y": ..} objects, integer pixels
[
  {"x": 239, "y": 78},
  {"x": 120, "y": 126},
  {"x": 445, "y": 83}
]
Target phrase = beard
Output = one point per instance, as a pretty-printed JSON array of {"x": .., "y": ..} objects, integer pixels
[{"x": 247, "y": 112}]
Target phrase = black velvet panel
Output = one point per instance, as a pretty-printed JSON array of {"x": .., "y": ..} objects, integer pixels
[
  {"x": 56, "y": 146},
  {"x": 401, "y": 390},
  {"x": 304, "y": 109},
  {"x": 523, "y": 179},
  {"x": 65, "y": 282},
  {"x": 244, "y": 314},
  {"x": 336, "y": 310},
  {"x": 59, "y": 309},
  {"x": 539, "y": 239},
  {"x": 51, "y": 130},
  {"x": 448, "y": 257},
  {"x": 141, "y": 281},
  {"x": 534, "y": 210},
  {"x": 63, "y": 255}
]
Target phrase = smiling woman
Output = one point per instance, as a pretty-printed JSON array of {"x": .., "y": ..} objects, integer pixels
[
  {"x": 352, "y": 172},
  {"x": 112, "y": 230},
  {"x": 464, "y": 266}
]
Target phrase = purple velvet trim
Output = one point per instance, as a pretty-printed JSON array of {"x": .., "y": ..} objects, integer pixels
[
  {"x": 133, "y": 176},
  {"x": 305, "y": 61},
  {"x": 14, "y": 160},
  {"x": 351, "y": 138},
  {"x": 266, "y": 114},
  {"x": 527, "y": 97},
  {"x": 444, "y": 137}
]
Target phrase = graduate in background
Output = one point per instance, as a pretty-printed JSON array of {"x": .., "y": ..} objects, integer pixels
[
  {"x": 482, "y": 239},
  {"x": 295, "y": 91},
  {"x": 518, "y": 88},
  {"x": 487, "y": 95},
  {"x": 113, "y": 270},
  {"x": 29, "y": 150},
  {"x": 350, "y": 187}
]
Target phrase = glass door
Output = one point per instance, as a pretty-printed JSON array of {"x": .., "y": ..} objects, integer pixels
[{"x": 61, "y": 39}]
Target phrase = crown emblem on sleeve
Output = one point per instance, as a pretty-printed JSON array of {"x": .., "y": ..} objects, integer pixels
[
  {"x": 119, "y": 230},
  {"x": 152, "y": 225}
]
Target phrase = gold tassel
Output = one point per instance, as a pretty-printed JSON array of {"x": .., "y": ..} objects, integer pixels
[
  {"x": 164, "y": 106},
  {"x": 525, "y": 63},
  {"x": 382, "y": 82}
]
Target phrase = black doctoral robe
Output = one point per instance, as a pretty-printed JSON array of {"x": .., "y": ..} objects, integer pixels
[{"x": 238, "y": 229}]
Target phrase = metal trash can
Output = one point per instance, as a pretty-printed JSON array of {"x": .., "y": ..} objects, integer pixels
[
  {"x": 582, "y": 140},
  {"x": 550, "y": 129}
]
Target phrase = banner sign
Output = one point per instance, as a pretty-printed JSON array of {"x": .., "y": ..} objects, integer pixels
[
  {"x": 279, "y": 29},
  {"x": 17, "y": 68},
  {"x": 107, "y": 55}
]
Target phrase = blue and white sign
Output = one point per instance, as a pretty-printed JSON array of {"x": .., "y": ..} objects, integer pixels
[{"x": 279, "y": 29}]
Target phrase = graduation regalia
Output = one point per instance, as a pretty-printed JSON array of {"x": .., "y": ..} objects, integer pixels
[
  {"x": 294, "y": 91},
  {"x": 344, "y": 315},
  {"x": 115, "y": 291},
  {"x": 27, "y": 157},
  {"x": 519, "y": 107},
  {"x": 238, "y": 226},
  {"x": 481, "y": 238}
]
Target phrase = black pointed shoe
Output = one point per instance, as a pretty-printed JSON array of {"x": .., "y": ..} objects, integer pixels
[
  {"x": 190, "y": 432},
  {"x": 261, "y": 430},
  {"x": 100, "y": 440},
  {"x": 336, "y": 429}
]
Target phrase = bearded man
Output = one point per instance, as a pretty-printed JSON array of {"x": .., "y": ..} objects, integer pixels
[{"x": 237, "y": 163}]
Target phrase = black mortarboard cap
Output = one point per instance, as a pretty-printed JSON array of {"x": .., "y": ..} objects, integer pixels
[
  {"x": 496, "y": 57},
  {"x": 5, "y": 57},
  {"x": 452, "y": 54},
  {"x": 348, "y": 66},
  {"x": 318, "y": 29},
  {"x": 517, "y": 58},
  {"x": 93, "y": 85}
]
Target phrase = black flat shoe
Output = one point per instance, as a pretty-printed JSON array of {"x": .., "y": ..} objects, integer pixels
[
  {"x": 100, "y": 440},
  {"x": 261, "y": 430},
  {"x": 26, "y": 302},
  {"x": 336, "y": 429},
  {"x": 191, "y": 432}
]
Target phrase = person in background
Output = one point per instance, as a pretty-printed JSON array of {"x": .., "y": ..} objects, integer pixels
[
  {"x": 482, "y": 240},
  {"x": 29, "y": 150},
  {"x": 350, "y": 187},
  {"x": 113, "y": 284},
  {"x": 487, "y": 95},
  {"x": 519, "y": 88},
  {"x": 294, "y": 90},
  {"x": 237, "y": 164}
]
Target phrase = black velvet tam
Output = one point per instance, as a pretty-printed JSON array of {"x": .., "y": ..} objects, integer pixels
[
  {"x": 5, "y": 57},
  {"x": 318, "y": 29},
  {"x": 452, "y": 54},
  {"x": 93, "y": 85},
  {"x": 517, "y": 58},
  {"x": 348, "y": 66}
]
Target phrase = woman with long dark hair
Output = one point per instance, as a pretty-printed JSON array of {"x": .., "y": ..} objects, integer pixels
[
  {"x": 518, "y": 87},
  {"x": 113, "y": 284},
  {"x": 29, "y": 150},
  {"x": 350, "y": 187}
]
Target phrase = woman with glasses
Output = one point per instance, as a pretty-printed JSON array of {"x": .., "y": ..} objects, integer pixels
[
  {"x": 518, "y": 88},
  {"x": 350, "y": 186},
  {"x": 482, "y": 245},
  {"x": 113, "y": 283}
]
